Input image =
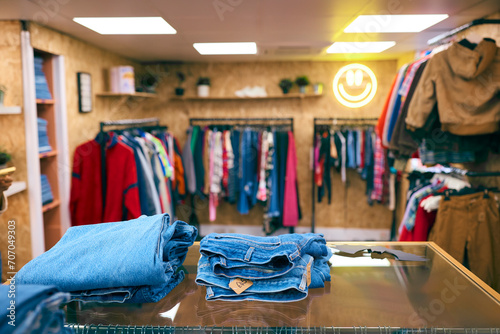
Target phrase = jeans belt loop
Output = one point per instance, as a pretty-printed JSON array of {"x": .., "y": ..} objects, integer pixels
[
  {"x": 249, "y": 253},
  {"x": 294, "y": 255},
  {"x": 210, "y": 292},
  {"x": 222, "y": 260}
]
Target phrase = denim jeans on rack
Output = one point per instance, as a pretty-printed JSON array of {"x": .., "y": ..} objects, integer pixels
[
  {"x": 37, "y": 309},
  {"x": 131, "y": 261}
]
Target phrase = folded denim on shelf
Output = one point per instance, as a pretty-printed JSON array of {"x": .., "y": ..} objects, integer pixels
[
  {"x": 277, "y": 266},
  {"x": 132, "y": 261},
  {"x": 37, "y": 309}
]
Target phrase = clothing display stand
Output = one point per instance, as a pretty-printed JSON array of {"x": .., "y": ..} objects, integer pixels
[
  {"x": 246, "y": 122},
  {"x": 128, "y": 123},
  {"x": 329, "y": 122}
]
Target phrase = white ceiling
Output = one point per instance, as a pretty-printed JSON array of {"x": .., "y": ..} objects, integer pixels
[{"x": 282, "y": 29}]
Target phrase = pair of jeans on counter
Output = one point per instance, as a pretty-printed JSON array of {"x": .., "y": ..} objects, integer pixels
[
  {"x": 132, "y": 261},
  {"x": 32, "y": 309},
  {"x": 276, "y": 266}
]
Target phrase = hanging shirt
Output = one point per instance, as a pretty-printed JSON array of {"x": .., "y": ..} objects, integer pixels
[
  {"x": 86, "y": 202},
  {"x": 272, "y": 209},
  {"x": 206, "y": 160},
  {"x": 343, "y": 141},
  {"x": 187, "y": 155},
  {"x": 233, "y": 186},
  {"x": 290, "y": 209},
  {"x": 216, "y": 179},
  {"x": 262, "y": 192},
  {"x": 122, "y": 194},
  {"x": 149, "y": 199},
  {"x": 379, "y": 168}
]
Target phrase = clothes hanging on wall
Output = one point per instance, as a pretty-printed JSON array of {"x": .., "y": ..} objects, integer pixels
[
  {"x": 425, "y": 125},
  {"x": 464, "y": 221},
  {"x": 353, "y": 147},
  {"x": 144, "y": 175},
  {"x": 243, "y": 166}
]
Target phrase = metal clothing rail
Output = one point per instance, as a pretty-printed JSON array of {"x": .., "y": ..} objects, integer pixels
[
  {"x": 123, "y": 122},
  {"x": 131, "y": 329},
  {"x": 243, "y": 121},
  {"x": 451, "y": 33},
  {"x": 330, "y": 121},
  {"x": 458, "y": 171},
  {"x": 287, "y": 121}
]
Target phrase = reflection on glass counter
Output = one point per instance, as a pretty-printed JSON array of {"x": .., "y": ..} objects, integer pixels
[{"x": 368, "y": 289}]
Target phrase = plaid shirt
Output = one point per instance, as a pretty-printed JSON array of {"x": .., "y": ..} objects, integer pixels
[{"x": 379, "y": 168}]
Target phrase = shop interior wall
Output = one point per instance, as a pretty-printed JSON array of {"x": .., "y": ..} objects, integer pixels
[
  {"x": 12, "y": 139},
  {"x": 349, "y": 208}
]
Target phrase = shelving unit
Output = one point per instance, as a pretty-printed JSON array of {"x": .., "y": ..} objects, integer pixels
[
  {"x": 47, "y": 222},
  {"x": 50, "y": 154},
  {"x": 46, "y": 110},
  {"x": 10, "y": 110},
  {"x": 15, "y": 188},
  {"x": 137, "y": 94},
  {"x": 233, "y": 98}
]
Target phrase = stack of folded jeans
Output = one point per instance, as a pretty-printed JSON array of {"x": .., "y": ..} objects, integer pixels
[
  {"x": 43, "y": 137},
  {"x": 41, "y": 87},
  {"x": 32, "y": 309},
  {"x": 133, "y": 261},
  {"x": 281, "y": 268},
  {"x": 47, "y": 196}
]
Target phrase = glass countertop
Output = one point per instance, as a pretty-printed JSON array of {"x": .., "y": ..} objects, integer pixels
[{"x": 367, "y": 290}]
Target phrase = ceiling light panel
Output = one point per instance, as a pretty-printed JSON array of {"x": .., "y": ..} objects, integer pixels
[
  {"x": 360, "y": 47},
  {"x": 393, "y": 23},
  {"x": 244, "y": 48},
  {"x": 153, "y": 25}
]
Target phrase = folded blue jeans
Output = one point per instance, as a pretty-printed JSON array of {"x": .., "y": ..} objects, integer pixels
[
  {"x": 239, "y": 255},
  {"x": 289, "y": 287},
  {"x": 134, "y": 261},
  {"x": 277, "y": 266},
  {"x": 37, "y": 309}
]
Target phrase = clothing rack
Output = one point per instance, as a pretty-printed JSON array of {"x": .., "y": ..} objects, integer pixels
[
  {"x": 130, "y": 123},
  {"x": 460, "y": 172},
  {"x": 244, "y": 121},
  {"x": 329, "y": 121},
  {"x": 451, "y": 33},
  {"x": 260, "y": 122}
]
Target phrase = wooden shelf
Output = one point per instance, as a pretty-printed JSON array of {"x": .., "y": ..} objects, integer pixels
[
  {"x": 233, "y": 98},
  {"x": 137, "y": 94},
  {"x": 42, "y": 101},
  {"x": 50, "y": 206},
  {"x": 10, "y": 110},
  {"x": 47, "y": 154},
  {"x": 15, "y": 188}
]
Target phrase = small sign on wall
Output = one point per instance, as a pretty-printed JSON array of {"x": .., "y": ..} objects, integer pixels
[{"x": 84, "y": 92}]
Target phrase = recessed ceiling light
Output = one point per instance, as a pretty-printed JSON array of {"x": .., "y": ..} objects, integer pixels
[
  {"x": 246, "y": 48},
  {"x": 393, "y": 23},
  {"x": 153, "y": 25},
  {"x": 360, "y": 47}
]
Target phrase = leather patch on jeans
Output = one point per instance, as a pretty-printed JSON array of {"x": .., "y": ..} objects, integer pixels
[
  {"x": 309, "y": 274},
  {"x": 240, "y": 284}
]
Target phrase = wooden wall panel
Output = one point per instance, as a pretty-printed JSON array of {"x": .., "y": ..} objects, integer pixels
[
  {"x": 12, "y": 139},
  {"x": 229, "y": 77}
]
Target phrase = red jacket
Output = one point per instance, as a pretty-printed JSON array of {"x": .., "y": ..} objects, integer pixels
[{"x": 122, "y": 194}]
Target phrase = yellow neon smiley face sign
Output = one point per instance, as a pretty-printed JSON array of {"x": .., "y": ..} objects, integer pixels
[{"x": 354, "y": 85}]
